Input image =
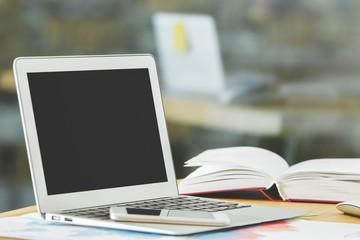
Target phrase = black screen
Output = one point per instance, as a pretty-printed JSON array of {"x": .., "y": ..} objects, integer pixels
[
  {"x": 142, "y": 211},
  {"x": 96, "y": 129}
]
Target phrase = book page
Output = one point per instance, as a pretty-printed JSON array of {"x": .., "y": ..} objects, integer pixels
[
  {"x": 322, "y": 180},
  {"x": 214, "y": 178},
  {"x": 338, "y": 165},
  {"x": 246, "y": 157},
  {"x": 209, "y": 170}
]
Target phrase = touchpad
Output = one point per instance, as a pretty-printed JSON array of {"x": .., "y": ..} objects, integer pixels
[{"x": 190, "y": 214}]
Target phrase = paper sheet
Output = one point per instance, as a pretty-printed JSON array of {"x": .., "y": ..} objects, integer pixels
[{"x": 31, "y": 226}]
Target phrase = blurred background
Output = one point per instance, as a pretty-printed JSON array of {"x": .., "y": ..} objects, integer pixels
[{"x": 301, "y": 56}]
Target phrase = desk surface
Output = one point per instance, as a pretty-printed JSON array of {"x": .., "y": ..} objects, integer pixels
[{"x": 320, "y": 211}]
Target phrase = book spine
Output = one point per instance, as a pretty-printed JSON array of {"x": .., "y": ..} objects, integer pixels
[
  {"x": 258, "y": 193},
  {"x": 273, "y": 193},
  {"x": 266, "y": 195},
  {"x": 313, "y": 200}
]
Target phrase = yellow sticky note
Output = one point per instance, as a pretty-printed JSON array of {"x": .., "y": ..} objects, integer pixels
[{"x": 180, "y": 39}]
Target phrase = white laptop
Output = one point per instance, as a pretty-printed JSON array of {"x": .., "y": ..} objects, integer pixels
[{"x": 96, "y": 137}]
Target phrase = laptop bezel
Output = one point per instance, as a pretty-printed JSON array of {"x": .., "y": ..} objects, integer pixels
[{"x": 59, "y": 202}]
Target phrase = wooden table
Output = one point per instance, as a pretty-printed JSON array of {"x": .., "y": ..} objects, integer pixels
[{"x": 318, "y": 211}]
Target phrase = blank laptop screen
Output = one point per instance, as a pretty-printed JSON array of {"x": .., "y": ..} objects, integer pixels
[{"x": 96, "y": 129}]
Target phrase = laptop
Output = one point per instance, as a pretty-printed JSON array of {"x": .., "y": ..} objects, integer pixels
[
  {"x": 191, "y": 62},
  {"x": 96, "y": 137}
]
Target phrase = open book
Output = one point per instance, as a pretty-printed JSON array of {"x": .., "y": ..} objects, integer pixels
[{"x": 251, "y": 168}]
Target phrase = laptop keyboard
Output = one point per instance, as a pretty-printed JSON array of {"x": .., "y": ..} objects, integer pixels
[{"x": 171, "y": 203}]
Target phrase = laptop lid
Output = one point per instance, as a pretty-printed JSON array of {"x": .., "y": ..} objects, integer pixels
[
  {"x": 189, "y": 53},
  {"x": 95, "y": 130}
]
